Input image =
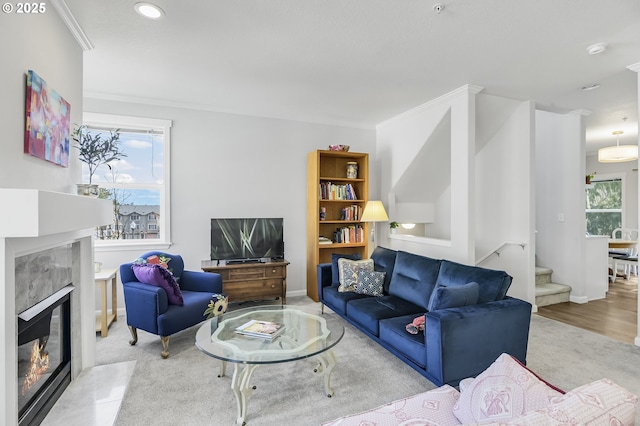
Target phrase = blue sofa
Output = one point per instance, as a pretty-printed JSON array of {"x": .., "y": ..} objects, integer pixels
[{"x": 457, "y": 342}]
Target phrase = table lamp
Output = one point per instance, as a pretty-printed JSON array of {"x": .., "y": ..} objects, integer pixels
[{"x": 374, "y": 212}]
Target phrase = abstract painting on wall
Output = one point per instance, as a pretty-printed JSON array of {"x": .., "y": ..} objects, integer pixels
[{"x": 48, "y": 126}]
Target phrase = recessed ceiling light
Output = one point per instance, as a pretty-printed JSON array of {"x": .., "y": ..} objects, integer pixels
[
  {"x": 148, "y": 10},
  {"x": 594, "y": 49},
  {"x": 590, "y": 87}
]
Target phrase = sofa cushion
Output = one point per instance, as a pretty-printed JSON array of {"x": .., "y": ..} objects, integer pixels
[
  {"x": 384, "y": 261},
  {"x": 393, "y": 331},
  {"x": 335, "y": 274},
  {"x": 453, "y": 297},
  {"x": 159, "y": 276},
  {"x": 504, "y": 391},
  {"x": 370, "y": 283},
  {"x": 367, "y": 312},
  {"x": 414, "y": 278},
  {"x": 424, "y": 409},
  {"x": 349, "y": 272},
  {"x": 599, "y": 403},
  {"x": 337, "y": 301},
  {"x": 493, "y": 284}
]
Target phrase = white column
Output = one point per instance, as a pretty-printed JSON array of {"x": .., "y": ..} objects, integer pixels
[{"x": 636, "y": 69}]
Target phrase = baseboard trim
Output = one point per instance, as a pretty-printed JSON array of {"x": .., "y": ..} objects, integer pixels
[{"x": 578, "y": 299}]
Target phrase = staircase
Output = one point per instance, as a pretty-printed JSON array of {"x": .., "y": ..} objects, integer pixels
[{"x": 547, "y": 292}]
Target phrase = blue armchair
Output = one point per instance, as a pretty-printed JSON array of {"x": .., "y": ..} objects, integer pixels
[{"x": 148, "y": 306}]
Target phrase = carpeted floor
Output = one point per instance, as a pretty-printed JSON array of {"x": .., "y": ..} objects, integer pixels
[{"x": 184, "y": 389}]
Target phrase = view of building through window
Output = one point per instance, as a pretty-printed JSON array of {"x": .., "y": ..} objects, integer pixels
[
  {"x": 604, "y": 207},
  {"x": 135, "y": 184}
]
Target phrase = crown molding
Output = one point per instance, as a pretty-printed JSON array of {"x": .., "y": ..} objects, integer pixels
[
  {"x": 447, "y": 97},
  {"x": 583, "y": 112},
  {"x": 634, "y": 67},
  {"x": 72, "y": 24},
  {"x": 203, "y": 107}
]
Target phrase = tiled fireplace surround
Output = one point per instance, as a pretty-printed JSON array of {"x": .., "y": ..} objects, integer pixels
[{"x": 35, "y": 222}]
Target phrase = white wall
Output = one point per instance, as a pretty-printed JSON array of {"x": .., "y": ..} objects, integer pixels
[
  {"x": 400, "y": 140},
  {"x": 43, "y": 44},
  {"x": 560, "y": 198},
  {"x": 225, "y": 165},
  {"x": 488, "y": 198},
  {"x": 505, "y": 196}
]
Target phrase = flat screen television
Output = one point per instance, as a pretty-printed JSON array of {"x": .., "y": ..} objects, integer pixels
[{"x": 247, "y": 239}]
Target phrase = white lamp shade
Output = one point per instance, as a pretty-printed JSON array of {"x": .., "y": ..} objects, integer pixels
[
  {"x": 374, "y": 212},
  {"x": 618, "y": 153}
]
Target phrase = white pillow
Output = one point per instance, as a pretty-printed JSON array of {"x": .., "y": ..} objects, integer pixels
[
  {"x": 598, "y": 403},
  {"x": 504, "y": 391},
  {"x": 348, "y": 271}
]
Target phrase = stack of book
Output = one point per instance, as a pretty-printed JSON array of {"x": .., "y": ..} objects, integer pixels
[{"x": 263, "y": 329}]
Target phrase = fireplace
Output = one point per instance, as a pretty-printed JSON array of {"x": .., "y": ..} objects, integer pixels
[
  {"x": 44, "y": 355},
  {"x": 46, "y": 242}
]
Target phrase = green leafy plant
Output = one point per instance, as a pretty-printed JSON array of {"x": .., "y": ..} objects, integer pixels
[
  {"x": 96, "y": 148},
  {"x": 393, "y": 225}
]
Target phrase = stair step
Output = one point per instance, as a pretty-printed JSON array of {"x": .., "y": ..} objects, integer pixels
[
  {"x": 543, "y": 275},
  {"x": 552, "y": 293}
]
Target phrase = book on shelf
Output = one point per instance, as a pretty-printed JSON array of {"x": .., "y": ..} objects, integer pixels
[
  {"x": 263, "y": 329},
  {"x": 349, "y": 234},
  {"x": 333, "y": 191},
  {"x": 324, "y": 240}
]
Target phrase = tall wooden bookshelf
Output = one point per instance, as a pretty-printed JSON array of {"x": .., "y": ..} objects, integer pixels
[{"x": 329, "y": 189}]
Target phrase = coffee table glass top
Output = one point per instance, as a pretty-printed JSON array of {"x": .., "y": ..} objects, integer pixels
[{"x": 305, "y": 335}]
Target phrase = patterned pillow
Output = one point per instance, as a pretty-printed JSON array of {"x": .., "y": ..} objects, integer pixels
[
  {"x": 370, "y": 283},
  {"x": 349, "y": 270},
  {"x": 502, "y": 392},
  {"x": 424, "y": 409},
  {"x": 598, "y": 403},
  {"x": 155, "y": 274}
]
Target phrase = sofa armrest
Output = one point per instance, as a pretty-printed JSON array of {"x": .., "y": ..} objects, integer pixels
[
  {"x": 325, "y": 278},
  {"x": 463, "y": 342},
  {"x": 144, "y": 303},
  {"x": 201, "y": 281}
]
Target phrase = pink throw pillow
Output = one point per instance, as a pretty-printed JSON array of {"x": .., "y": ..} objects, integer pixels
[{"x": 502, "y": 392}]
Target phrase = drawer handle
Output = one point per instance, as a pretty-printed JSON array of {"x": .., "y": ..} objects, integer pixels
[
  {"x": 273, "y": 271},
  {"x": 273, "y": 286}
]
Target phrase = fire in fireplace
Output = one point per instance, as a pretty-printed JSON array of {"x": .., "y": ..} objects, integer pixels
[{"x": 44, "y": 355}]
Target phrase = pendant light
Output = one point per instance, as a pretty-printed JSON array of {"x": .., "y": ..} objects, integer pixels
[{"x": 618, "y": 153}]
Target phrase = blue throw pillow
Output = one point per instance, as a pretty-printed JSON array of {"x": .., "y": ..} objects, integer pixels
[
  {"x": 335, "y": 272},
  {"x": 370, "y": 283},
  {"x": 453, "y": 296}
]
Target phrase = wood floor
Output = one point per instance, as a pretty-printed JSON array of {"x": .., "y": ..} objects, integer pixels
[{"x": 614, "y": 316}]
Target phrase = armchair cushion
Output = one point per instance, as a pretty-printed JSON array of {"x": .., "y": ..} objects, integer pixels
[{"x": 157, "y": 275}]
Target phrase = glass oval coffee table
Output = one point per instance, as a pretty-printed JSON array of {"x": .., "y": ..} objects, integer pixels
[{"x": 304, "y": 335}]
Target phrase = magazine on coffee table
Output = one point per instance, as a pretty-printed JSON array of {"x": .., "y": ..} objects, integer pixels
[{"x": 257, "y": 328}]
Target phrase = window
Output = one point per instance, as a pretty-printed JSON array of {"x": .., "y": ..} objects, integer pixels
[
  {"x": 138, "y": 184},
  {"x": 604, "y": 206}
]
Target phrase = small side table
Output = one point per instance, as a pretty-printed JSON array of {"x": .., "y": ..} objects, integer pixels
[{"x": 104, "y": 320}]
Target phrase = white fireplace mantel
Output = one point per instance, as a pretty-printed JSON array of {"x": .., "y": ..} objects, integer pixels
[
  {"x": 33, "y": 220},
  {"x": 36, "y": 213}
]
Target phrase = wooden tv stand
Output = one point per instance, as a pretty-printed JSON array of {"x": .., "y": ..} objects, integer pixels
[{"x": 244, "y": 282}]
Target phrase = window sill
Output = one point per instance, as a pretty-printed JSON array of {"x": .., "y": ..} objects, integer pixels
[{"x": 103, "y": 247}]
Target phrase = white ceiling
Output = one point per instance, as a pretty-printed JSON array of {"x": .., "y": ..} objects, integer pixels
[{"x": 360, "y": 62}]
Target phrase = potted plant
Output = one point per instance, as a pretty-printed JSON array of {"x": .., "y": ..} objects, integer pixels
[
  {"x": 589, "y": 177},
  {"x": 96, "y": 149},
  {"x": 393, "y": 226}
]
